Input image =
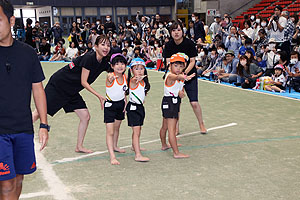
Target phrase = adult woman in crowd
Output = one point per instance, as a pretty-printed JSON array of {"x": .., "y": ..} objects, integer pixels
[
  {"x": 62, "y": 90},
  {"x": 179, "y": 43}
]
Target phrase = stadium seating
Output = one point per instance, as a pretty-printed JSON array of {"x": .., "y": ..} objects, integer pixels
[{"x": 266, "y": 9}]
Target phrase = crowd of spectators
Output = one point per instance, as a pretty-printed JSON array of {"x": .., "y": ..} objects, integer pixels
[{"x": 236, "y": 54}]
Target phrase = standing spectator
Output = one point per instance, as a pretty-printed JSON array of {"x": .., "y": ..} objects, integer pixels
[
  {"x": 93, "y": 36},
  {"x": 269, "y": 57},
  {"x": 276, "y": 26},
  {"x": 233, "y": 41},
  {"x": 198, "y": 27},
  {"x": 248, "y": 30},
  {"x": 288, "y": 31},
  {"x": 28, "y": 33},
  {"x": 44, "y": 51},
  {"x": 190, "y": 33},
  {"x": 143, "y": 23},
  {"x": 215, "y": 27},
  {"x": 161, "y": 32},
  {"x": 57, "y": 32},
  {"x": 109, "y": 25},
  {"x": 21, "y": 74},
  {"x": 47, "y": 31}
]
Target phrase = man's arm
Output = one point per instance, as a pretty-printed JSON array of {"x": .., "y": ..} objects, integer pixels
[{"x": 39, "y": 97}]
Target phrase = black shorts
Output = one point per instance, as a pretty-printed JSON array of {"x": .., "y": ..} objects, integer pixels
[
  {"x": 170, "y": 107},
  {"x": 114, "y": 110},
  {"x": 135, "y": 114},
  {"x": 191, "y": 88},
  {"x": 56, "y": 100}
]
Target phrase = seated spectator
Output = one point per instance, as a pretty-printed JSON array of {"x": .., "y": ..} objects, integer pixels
[
  {"x": 59, "y": 52},
  {"x": 71, "y": 53},
  {"x": 213, "y": 61},
  {"x": 293, "y": 71},
  {"x": 124, "y": 52},
  {"x": 247, "y": 73},
  {"x": 90, "y": 46},
  {"x": 44, "y": 51},
  {"x": 263, "y": 40},
  {"x": 82, "y": 49},
  {"x": 161, "y": 32},
  {"x": 248, "y": 30},
  {"x": 233, "y": 41},
  {"x": 251, "y": 57},
  {"x": 278, "y": 80},
  {"x": 137, "y": 53},
  {"x": 261, "y": 63},
  {"x": 246, "y": 47},
  {"x": 190, "y": 33},
  {"x": 269, "y": 56},
  {"x": 114, "y": 47},
  {"x": 127, "y": 46},
  {"x": 202, "y": 61},
  {"x": 228, "y": 74}
]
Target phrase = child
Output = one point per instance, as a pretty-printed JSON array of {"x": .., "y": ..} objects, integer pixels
[
  {"x": 278, "y": 83},
  {"x": 114, "y": 106},
  {"x": 171, "y": 101},
  {"x": 138, "y": 88}
]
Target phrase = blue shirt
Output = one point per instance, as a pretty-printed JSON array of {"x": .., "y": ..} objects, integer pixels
[{"x": 231, "y": 67}]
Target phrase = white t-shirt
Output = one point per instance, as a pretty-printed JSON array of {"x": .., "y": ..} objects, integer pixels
[
  {"x": 275, "y": 32},
  {"x": 71, "y": 52},
  {"x": 280, "y": 79}
]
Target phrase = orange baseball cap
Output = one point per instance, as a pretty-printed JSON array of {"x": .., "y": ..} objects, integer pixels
[{"x": 177, "y": 58}]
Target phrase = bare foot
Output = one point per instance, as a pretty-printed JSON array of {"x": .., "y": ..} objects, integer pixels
[
  {"x": 83, "y": 150},
  {"x": 164, "y": 148},
  {"x": 117, "y": 149},
  {"x": 114, "y": 161},
  {"x": 141, "y": 159},
  {"x": 141, "y": 149},
  {"x": 180, "y": 155},
  {"x": 203, "y": 130}
]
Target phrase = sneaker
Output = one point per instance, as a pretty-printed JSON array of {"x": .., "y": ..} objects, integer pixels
[{"x": 282, "y": 91}]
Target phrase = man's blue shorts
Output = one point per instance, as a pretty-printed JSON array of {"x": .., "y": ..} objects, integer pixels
[{"x": 16, "y": 155}]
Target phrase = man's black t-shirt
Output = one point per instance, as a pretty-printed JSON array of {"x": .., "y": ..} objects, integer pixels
[
  {"x": 68, "y": 78},
  {"x": 45, "y": 49},
  {"x": 19, "y": 68},
  {"x": 186, "y": 46}
]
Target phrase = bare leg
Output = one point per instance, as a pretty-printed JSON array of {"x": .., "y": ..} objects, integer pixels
[
  {"x": 19, "y": 181},
  {"x": 35, "y": 115},
  {"x": 136, "y": 144},
  {"x": 8, "y": 190},
  {"x": 198, "y": 112},
  {"x": 163, "y": 135},
  {"x": 268, "y": 87},
  {"x": 177, "y": 125},
  {"x": 275, "y": 88},
  {"x": 117, "y": 125},
  {"x": 84, "y": 117},
  {"x": 110, "y": 143},
  {"x": 173, "y": 140}
]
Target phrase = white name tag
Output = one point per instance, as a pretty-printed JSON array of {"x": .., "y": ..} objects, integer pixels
[
  {"x": 132, "y": 107},
  {"x": 107, "y": 104},
  {"x": 165, "y": 106},
  {"x": 175, "y": 100}
]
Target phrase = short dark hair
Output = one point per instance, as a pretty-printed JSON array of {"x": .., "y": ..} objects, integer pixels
[
  {"x": 248, "y": 41},
  {"x": 295, "y": 53},
  {"x": 279, "y": 8},
  {"x": 7, "y": 8},
  {"x": 175, "y": 25}
]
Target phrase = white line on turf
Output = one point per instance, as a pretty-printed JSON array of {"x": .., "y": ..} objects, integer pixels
[
  {"x": 36, "y": 194},
  {"x": 64, "y": 160},
  {"x": 57, "y": 189}
]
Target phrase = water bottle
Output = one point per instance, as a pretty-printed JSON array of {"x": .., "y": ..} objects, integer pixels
[{"x": 211, "y": 75}]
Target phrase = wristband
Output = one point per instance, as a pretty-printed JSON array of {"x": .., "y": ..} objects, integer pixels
[{"x": 46, "y": 126}]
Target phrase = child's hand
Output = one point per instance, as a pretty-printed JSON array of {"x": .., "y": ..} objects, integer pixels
[
  {"x": 190, "y": 77},
  {"x": 139, "y": 78},
  {"x": 181, "y": 94},
  {"x": 111, "y": 77}
]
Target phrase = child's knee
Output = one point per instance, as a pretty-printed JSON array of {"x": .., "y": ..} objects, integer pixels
[{"x": 7, "y": 187}]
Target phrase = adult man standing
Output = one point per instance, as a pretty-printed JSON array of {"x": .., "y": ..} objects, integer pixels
[
  {"x": 198, "y": 27},
  {"x": 20, "y": 73},
  {"x": 276, "y": 26},
  {"x": 57, "y": 32}
]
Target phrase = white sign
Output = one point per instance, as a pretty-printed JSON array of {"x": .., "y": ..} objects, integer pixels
[{"x": 211, "y": 12}]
